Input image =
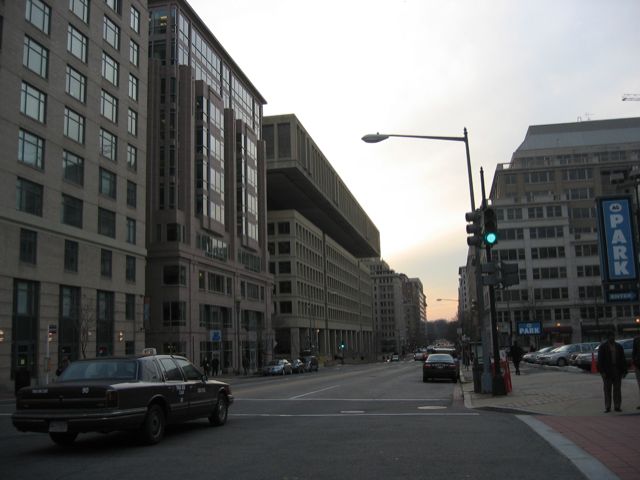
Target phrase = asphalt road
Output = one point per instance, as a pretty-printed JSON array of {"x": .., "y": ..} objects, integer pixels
[{"x": 367, "y": 421}]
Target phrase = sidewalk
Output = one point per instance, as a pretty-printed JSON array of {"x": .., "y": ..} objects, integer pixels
[{"x": 566, "y": 407}]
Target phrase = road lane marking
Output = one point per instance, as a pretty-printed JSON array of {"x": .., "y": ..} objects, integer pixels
[
  {"x": 311, "y": 393},
  {"x": 347, "y": 412},
  {"x": 430, "y": 414},
  {"x": 431, "y": 407},
  {"x": 341, "y": 399}
]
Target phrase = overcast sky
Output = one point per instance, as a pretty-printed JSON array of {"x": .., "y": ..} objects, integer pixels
[{"x": 350, "y": 67}]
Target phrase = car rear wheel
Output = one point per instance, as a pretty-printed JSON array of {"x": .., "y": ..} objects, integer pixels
[
  {"x": 66, "y": 438},
  {"x": 562, "y": 362},
  {"x": 152, "y": 429},
  {"x": 220, "y": 411}
]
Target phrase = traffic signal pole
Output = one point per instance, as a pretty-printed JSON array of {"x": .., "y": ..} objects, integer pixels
[{"x": 497, "y": 385}]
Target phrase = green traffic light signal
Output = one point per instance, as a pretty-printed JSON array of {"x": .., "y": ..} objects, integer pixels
[{"x": 490, "y": 230}]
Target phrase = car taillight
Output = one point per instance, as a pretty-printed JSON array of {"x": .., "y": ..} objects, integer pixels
[{"x": 112, "y": 398}]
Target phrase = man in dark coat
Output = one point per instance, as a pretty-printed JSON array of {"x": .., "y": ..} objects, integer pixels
[
  {"x": 516, "y": 356},
  {"x": 613, "y": 367},
  {"x": 635, "y": 355}
]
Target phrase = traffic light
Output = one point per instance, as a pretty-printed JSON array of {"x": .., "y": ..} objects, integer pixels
[
  {"x": 490, "y": 231},
  {"x": 474, "y": 229},
  {"x": 341, "y": 345},
  {"x": 120, "y": 336}
]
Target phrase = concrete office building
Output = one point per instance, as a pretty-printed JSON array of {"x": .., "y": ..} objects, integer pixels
[
  {"x": 72, "y": 218},
  {"x": 391, "y": 332},
  {"x": 317, "y": 235},
  {"x": 545, "y": 201},
  {"x": 415, "y": 312},
  {"x": 209, "y": 291}
]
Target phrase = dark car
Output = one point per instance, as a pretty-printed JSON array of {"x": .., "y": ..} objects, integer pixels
[
  {"x": 139, "y": 393},
  {"x": 440, "y": 365},
  {"x": 310, "y": 363},
  {"x": 297, "y": 366}
]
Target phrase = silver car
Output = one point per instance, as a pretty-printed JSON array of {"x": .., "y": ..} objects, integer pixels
[
  {"x": 277, "y": 367},
  {"x": 560, "y": 356}
]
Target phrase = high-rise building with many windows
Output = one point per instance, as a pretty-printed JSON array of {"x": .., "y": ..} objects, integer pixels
[
  {"x": 208, "y": 287},
  {"x": 545, "y": 200},
  {"x": 72, "y": 197}
]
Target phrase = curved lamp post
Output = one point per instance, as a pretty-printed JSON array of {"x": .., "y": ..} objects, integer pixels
[{"x": 487, "y": 379}]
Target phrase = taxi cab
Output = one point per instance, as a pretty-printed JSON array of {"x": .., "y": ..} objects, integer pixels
[{"x": 141, "y": 393}]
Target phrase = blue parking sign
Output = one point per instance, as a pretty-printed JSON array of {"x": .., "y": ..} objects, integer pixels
[{"x": 216, "y": 335}]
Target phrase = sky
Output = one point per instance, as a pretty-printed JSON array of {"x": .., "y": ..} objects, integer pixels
[{"x": 347, "y": 68}]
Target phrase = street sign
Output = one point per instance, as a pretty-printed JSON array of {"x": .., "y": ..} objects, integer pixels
[
  {"x": 529, "y": 328},
  {"x": 216, "y": 335},
  {"x": 617, "y": 242}
]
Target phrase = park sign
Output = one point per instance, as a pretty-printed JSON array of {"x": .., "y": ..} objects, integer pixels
[
  {"x": 617, "y": 244},
  {"x": 529, "y": 328}
]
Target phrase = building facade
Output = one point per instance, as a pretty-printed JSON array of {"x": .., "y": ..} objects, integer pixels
[
  {"x": 545, "y": 203},
  {"x": 208, "y": 286},
  {"x": 415, "y": 312},
  {"x": 72, "y": 202},
  {"x": 318, "y": 234}
]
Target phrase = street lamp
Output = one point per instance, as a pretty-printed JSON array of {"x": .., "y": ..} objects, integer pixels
[{"x": 486, "y": 375}]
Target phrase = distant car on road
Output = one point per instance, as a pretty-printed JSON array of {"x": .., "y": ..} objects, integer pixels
[
  {"x": 440, "y": 365},
  {"x": 395, "y": 357},
  {"x": 310, "y": 363},
  {"x": 277, "y": 367},
  {"x": 140, "y": 393},
  {"x": 420, "y": 356},
  {"x": 297, "y": 366}
]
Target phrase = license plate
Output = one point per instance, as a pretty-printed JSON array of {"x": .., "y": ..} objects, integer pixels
[
  {"x": 440, "y": 366},
  {"x": 58, "y": 427}
]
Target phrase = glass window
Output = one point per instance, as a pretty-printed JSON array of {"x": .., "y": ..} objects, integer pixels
[
  {"x": 134, "y": 20},
  {"x": 73, "y": 167},
  {"x": 108, "y": 145},
  {"x": 76, "y": 85},
  {"x": 132, "y": 122},
  {"x": 28, "y": 246},
  {"x": 80, "y": 8},
  {"x": 132, "y": 157},
  {"x": 29, "y": 197},
  {"x": 132, "y": 194},
  {"x": 133, "y": 88},
  {"x": 111, "y": 33},
  {"x": 106, "y": 258},
  {"x": 77, "y": 44},
  {"x": 115, "y": 5},
  {"x": 130, "y": 268},
  {"x": 35, "y": 57},
  {"x": 30, "y": 149},
  {"x": 106, "y": 222},
  {"x": 70, "y": 256},
  {"x": 109, "y": 106},
  {"x": 107, "y": 183},
  {"x": 130, "y": 309},
  {"x": 33, "y": 102},
  {"x": 131, "y": 231},
  {"x": 38, "y": 14},
  {"x": 134, "y": 53},
  {"x": 72, "y": 211},
  {"x": 73, "y": 125},
  {"x": 110, "y": 69}
]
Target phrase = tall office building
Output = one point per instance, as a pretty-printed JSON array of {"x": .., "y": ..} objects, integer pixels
[
  {"x": 72, "y": 221},
  {"x": 318, "y": 234},
  {"x": 415, "y": 312},
  {"x": 545, "y": 202},
  {"x": 208, "y": 287}
]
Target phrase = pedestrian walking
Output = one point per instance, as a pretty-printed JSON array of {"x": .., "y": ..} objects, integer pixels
[
  {"x": 635, "y": 355},
  {"x": 214, "y": 366},
  {"x": 205, "y": 366},
  {"x": 613, "y": 368},
  {"x": 516, "y": 356}
]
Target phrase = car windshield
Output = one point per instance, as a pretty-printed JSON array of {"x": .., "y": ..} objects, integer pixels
[
  {"x": 440, "y": 358},
  {"x": 563, "y": 348},
  {"x": 115, "y": 369}
]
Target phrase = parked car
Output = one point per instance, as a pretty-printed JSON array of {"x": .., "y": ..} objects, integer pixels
[
  {"x": 532, "y": 356},
  {"x": 310, "y": 363},
  {"x": 420, "y": 356},
  {"x": 440, "y": 365},
  {"x": 297, "y": 366},
  {"x": 140, "y": 393},
  {"x": 560, "y": 356},
  {"x": 586, "y": 347},
  {"x": 583, "y": 360},
  {"x": 277, "y": 367}
]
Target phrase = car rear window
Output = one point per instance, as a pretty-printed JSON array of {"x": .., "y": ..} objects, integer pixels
[{"x": 116, "y": 369}]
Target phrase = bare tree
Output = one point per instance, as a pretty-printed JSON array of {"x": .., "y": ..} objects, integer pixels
[{"x": 85, "y": 320}]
